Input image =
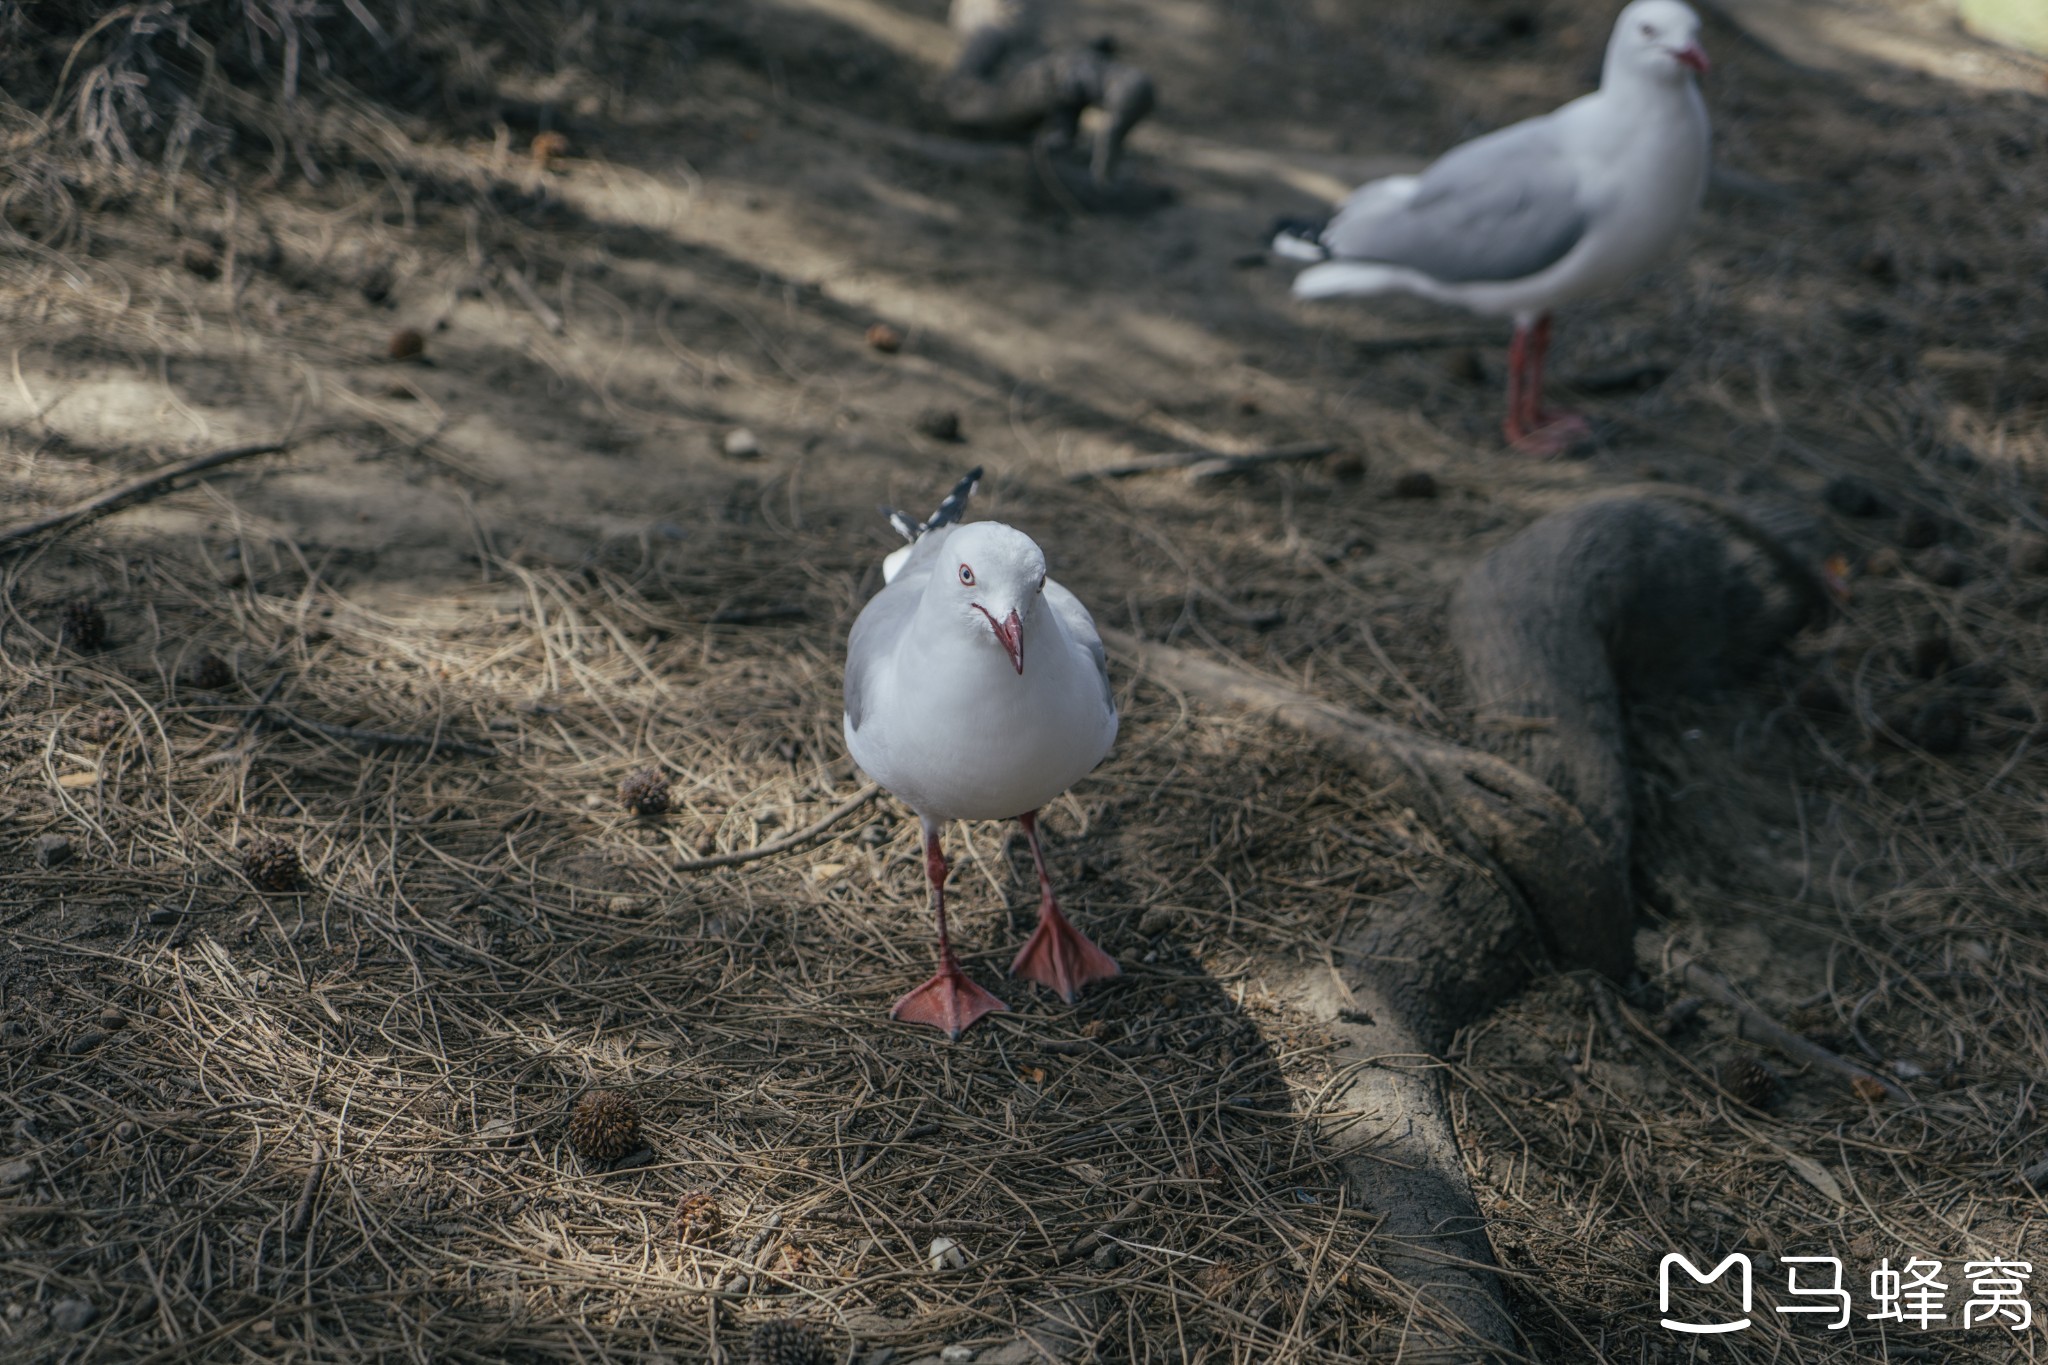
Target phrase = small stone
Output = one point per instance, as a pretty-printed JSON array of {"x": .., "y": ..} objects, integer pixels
[
  {"x": 884, "y": 338},
  {"x": 1346, "y": 466},
  {"x": 53, "y": 850},
  {"x": 124, "y": 1130},
  {"x": 111, "y": 1018},
  {"x": 1932, "y": 655},
  {"x": 2030, "y": 555},
  {"x": 941, "y": 424},
  {"x": 14, "y": 1174},
  {"x": 741, "y": 444},
  {"x": 165, "y": 914},
  {"x": 1939, "y": 727},
  {"x": 1854, "y": 497},
  {"x": 1155, "y": 921},
  {"x": 1942, "y": 567},
  {"x": 406, "y": 343},
  {"x": 85, "y": 1042},
  {"x": 945, "y": 1254},
  {"x": 957, "y": 1355},
  {"x": 72, "y": 1315},
  {"x": 1415, "y": 483},
  {"x": 547, "y": 146},
  {"x": 1108, "y": 1256},
  {"x": 1465, "y": 366},
  {"x": 1918, "y": 529}
]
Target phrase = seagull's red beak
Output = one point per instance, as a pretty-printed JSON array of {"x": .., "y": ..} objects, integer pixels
[
  {"x": 1011, "y": 633},
  {"x": 1694, "y": 56}
]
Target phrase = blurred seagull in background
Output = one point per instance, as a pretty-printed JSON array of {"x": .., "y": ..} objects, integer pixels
[
  {"x": 977, "y": 689},
  {"x": 1539, "y": 213}
]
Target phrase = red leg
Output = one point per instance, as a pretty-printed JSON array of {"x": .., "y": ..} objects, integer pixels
[
  {"x": 1518, "y": 361},
  {"x": 949, "y": 1000},
  {"x": 1544, "y": 432},
  {"x": 1057, "y": 956}
]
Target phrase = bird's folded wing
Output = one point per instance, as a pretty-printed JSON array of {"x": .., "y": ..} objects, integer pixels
[
  {"x": 1080, "y": 628},
  {"x": 1503, "y": 207}
]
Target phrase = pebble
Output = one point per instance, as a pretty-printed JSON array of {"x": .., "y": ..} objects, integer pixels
[
  {"x": 1416, "y": 483},
  {"x": 954, "y": 1355},
  {"x": 16, "y": 1172},
  {"x": 124, "y": 1130},
  {"x": 1854, "y": 497},
  {"x": 1155, "y": 921},
  {"x": 945, "y": 1254},
  {"x": 165, "y": 914},
  {"x": 53, "y": 850},
  {"x": 111, "y": 1018},
  {"x": 941, "y": 424},
  {"x": 742, "y": 444},
  {"x": 85, "y": 1042},
  {"x": 72, "y": 1315}
]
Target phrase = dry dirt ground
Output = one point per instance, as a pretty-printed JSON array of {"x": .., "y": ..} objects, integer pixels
[{"x": 327, "y": 1123}]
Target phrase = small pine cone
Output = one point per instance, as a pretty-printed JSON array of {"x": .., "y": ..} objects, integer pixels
[
  {"x": 698, "y": 1219},
  {"x": 85, "y": 626},
  {"x": 272, "y": 865},
  {"x": 1747, "y": 1080},
  {"x": 787, "y": 1342},
  {"x": 645, "y": 792},
  {"x": 211, "y": 672},
  {"x": 604, "y": 1125}
]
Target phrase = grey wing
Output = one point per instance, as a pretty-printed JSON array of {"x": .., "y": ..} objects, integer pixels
[
  {"x": 883, "y": 620},
  {"x": 1080, "y": 628},
  {"x": 1501, "y": 207}
]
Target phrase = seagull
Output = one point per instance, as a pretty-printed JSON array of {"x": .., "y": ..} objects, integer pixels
[
  {"x": 977, "y": 689},
  {"x": 1538, "y": 213}
]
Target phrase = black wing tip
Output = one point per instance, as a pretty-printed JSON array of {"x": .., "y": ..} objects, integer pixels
[
  {"x": 1299, "y": 233},
  {"x": 949, "y": 511},
  {"x": 955, "y": 505}
]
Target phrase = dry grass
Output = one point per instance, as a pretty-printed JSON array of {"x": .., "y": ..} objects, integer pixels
[{"x": 329, "y": 1124}]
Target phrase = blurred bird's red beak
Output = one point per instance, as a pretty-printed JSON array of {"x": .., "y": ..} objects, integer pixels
[
  {"x": 1694, "y": 56},
  {"x": 1010, "y": 633}
]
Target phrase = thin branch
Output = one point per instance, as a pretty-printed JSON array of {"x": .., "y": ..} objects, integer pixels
[
  {"x": 153, "y": 484},
  {"x": 1206, "y": 462},
  {"x": 787, "y": 841},
  {"x": 1717, "y": 987}
]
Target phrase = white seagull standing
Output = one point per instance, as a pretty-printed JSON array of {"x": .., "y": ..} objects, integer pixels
[
  {"x": 1539, "y": 213},
  {"x": 977, "y": 689}
]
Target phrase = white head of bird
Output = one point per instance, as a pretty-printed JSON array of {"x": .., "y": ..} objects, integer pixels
[
  {"x": 1658, "y": 39},
  {"x": 995, "y": 579}
]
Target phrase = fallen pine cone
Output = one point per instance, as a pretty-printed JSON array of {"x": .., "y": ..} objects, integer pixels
[
  {"x": 698, "y": 1219},
  {"x": 645, "y": 792},
  {"x": 787, "y": 1342},
  {"x": 272, "y": 865},
  {"x": 604, "y": 1125},
  {"x": 211, "y": 672},
  {"x": 1748, "y": 1080},
  {"x": 85, "y": 626}
]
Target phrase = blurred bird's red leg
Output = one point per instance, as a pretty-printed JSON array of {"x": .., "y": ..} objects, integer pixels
[
  {"x": 1057, "y": 956},
  {"x": 1533, "y": 429},
  {"x": 949, "y": 1000}
]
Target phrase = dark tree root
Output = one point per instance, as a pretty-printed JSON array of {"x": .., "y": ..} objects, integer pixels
[
  {"x": 1615, "y": 597},
  {"x": 1627, "y": 595}
]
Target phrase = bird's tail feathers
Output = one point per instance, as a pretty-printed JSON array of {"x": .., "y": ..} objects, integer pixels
[
  {"x": 951, "y": 510},
  {"x": 1298, "y": 239},
  {"x": 1333, "y": 278}
]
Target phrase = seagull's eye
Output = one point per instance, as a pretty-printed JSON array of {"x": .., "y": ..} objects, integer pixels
[
  {"x": 1649, "y": 30},
  {"x": 966, "y": 576}
]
